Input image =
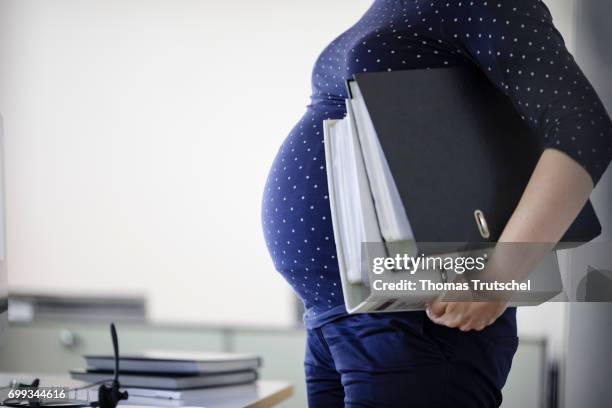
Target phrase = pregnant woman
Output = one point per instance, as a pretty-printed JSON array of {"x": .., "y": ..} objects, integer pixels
[{"x": 453, "y": 354}]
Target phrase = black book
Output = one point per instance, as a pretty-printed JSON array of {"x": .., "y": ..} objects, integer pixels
[
  {"x": 176, "y": 362},
  {"x": 167, "y": 381},
  {"x": 433, "y": 163},
  {"x": 458, "y": 152}
]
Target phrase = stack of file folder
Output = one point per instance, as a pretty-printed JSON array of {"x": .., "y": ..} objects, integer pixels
[
  {"x": 428, "y": 162},
  {"x": 171, "y": 375}
]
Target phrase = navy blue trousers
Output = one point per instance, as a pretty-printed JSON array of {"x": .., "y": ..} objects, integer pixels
[{"x": 404, "y": 360}]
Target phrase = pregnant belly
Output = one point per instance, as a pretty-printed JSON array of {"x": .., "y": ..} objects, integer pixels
[{"x": 296, "y": 214}]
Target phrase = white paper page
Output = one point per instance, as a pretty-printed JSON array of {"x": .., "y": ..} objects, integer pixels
[
  {"x": 334, "y": 180},
  {"x": 394, "y": 224},
  {"x": 347, "y": 199}
]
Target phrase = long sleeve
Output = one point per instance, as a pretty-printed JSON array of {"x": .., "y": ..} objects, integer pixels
[{"x": 517, "y": 46}]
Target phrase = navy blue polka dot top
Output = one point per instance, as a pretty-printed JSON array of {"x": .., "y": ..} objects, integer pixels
[{"x": 513, "y": 42}]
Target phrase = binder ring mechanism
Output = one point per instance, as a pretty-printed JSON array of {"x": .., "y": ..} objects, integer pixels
[{"x": 481, "y": 222}]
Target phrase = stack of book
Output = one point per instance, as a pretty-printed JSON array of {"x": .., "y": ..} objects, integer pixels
[
  {"x": 428, "y": 163},
  {"x": 171, "y": 375}
]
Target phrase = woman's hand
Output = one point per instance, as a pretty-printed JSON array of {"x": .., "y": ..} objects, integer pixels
[
  {"x": 465, "y": 316},
  {"x": 557, "y": 191}
]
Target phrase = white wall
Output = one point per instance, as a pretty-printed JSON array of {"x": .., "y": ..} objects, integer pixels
[{"x": 138, "y": 137}]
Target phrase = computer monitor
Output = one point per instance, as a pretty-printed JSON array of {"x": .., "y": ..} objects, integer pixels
[{"x": 3, "y": 273}]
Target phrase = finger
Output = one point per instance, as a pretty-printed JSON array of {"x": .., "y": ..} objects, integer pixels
[
  {"x": 436, "y": 308},
  {"x": 454, "y": 322},
  {"x": 451, "y": 318},
  {"x": 466, "y": 327},
  {"x": 456, "y": 313},
  {"x": 473, "y": 325},
  {"x": 434, "y": 318},
  {"x": 480, "y": 323},
  {"x": 440, "y": 320}
]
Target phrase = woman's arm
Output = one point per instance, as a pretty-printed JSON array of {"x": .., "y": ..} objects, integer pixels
[
  {"x": 555, "y": 195},
  {"x": 557, "y": 191},
  {"x": 519, "y": 49}
]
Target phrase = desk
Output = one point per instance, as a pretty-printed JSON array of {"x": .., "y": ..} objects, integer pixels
[{"x": 261, "y": 394}]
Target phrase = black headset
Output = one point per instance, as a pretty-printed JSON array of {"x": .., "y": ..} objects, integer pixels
[{"x": 110, "y": 395}]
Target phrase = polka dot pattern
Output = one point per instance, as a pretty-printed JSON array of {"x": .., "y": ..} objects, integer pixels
[{"x": 514, "y": 43}]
